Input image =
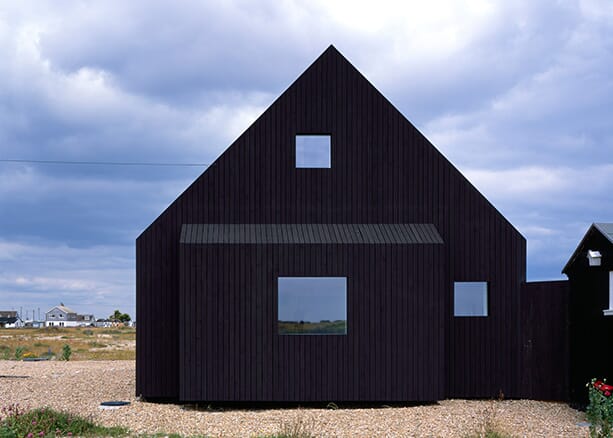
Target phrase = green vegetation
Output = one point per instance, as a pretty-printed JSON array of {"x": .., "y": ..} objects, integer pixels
[
  {"x": 17, "y": 422},
  {"x": 338, "y": 327},
  {"x": 19, "y": 352},
  {"x": 117, "y": 316},
  {"x": 66, "y": 352},
  {"x": 600, "y": 409}
]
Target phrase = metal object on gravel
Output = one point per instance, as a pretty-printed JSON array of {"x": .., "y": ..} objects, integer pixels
[{"x": 115, "y": 404}]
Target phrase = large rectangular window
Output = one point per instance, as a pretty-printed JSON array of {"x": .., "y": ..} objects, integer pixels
[
  {"x": 313, "y": 151},
  {"x": 312, "y": 305},
  {"x": 470, "y": 298}
]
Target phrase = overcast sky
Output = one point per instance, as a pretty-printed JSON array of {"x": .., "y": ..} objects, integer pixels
[{"x": 518, "y": 95}]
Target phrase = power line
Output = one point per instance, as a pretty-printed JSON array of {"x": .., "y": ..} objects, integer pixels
[{"x": 104, "y": 163}]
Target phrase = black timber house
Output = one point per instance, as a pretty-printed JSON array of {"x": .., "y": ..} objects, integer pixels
[{"x": 373, "y": 271}]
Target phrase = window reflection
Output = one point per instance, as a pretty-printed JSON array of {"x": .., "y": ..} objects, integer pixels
[
  {"x": 313, "y": 151},
  {"x": 312, "y": 305},
  {"x": 470, "y": 298}
]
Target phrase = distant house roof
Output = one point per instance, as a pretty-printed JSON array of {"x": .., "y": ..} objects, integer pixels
[
  {"x": 62, "y": 308},
  {"x": 8, "y": 319},
  {"x": 8, "y": 313},
  {"x": 604, "y": 228},
  {"x": 310, "y": 234}
]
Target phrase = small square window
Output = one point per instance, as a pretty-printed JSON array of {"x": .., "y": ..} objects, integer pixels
[
  {"x": 470, "y": 298},
  {"x": 312, "y": 305},
  {"x": 313, "y": 151}
]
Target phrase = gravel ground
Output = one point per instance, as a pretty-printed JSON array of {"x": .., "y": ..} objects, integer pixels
[{"x": 79, "y": 387}]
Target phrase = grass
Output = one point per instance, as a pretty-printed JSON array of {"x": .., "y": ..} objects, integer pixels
[
  {"x": 86, "y": 344},
  {"x": 299, "y": 428},
  {"x": 488, "y": 426},
  {"x": 42, "y": 422}
]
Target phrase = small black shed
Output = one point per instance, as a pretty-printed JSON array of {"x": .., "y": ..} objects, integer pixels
[{"x": 590, "y": 272}]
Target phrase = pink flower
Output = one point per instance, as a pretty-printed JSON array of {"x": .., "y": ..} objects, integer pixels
[
  {"x": 41, "y": 433},
  {"x": 33, "y": 422},
  {"x": 69, "y": 434},
  {"x": 607, "y": 393},
  {"x": 30, "y": 435}
]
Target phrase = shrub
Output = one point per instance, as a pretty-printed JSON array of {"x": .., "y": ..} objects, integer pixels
[
  {"x": 600, "y": 409},
  {"x": 17, "y": 422},
  {"x": 88, "y": 332},
  {"x": 19, "y": 352},
  {"x": 66, "y": 352}
]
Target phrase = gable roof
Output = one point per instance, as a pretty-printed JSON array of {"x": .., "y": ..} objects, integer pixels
[
  {"x": 310, "y": 105},
  {"x": 604, "y": 228},
  {"x": 8, "y": 320},
  {"x": 62, "y": 308}
]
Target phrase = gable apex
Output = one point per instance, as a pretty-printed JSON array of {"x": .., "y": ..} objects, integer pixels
[
  {"x": 605, "y": 229},
  {"x": 376, "y": 154}
]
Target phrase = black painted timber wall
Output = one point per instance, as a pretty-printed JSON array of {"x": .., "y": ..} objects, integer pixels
[
  {"x": 383, "y": 171},
  {"x": 591, "y": 332},
  {"x": 393, "y": 350},
  {"x": 545, "y": 336}
]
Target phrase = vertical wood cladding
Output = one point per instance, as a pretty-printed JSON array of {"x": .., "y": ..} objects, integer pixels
[
  {"x": 545, "y": 336},
  {"x": 393, "y": 350},
  {"x": 209, "y": 331},
  {"x": 591, "y": 332}
]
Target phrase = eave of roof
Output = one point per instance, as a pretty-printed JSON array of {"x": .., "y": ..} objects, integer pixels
[{"x": 318, "y": 234}]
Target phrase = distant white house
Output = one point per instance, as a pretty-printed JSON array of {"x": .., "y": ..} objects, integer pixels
[{"x": 63, "y": 316}]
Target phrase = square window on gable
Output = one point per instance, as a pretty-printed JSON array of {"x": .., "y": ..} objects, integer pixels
[
  {"x": 313, "y": 151},
  {"x": 470, "y": 298}
]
